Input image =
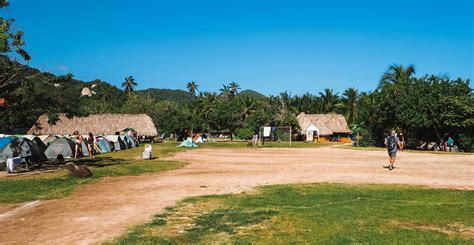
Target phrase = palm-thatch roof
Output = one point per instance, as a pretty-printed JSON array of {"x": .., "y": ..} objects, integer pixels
[
  {"x": 327, "y": 124},
  {"x": 98, "y": 124}
]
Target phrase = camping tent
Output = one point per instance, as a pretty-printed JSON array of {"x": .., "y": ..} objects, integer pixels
[
  {"x": 37, "y": 141},
  {"x": 21, "y": 147},
  {"x": 48, "y": 140},
  {"x": 188, "y": 143},
  {"x": 60, "y": 146},
  {"x": 198, "y": 138},
  {"x": 102, "y": 145},
  {"x": 117, "y": 142},
  {"x": 130, "y": 141},
  {"x": 122, "y": 137},
  {"x": 4, "y": 143},
  {"x": 84, "y": 148}
]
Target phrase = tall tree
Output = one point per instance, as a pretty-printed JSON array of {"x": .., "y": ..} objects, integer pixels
[
  {"x": 329, "y": 100},
  {"x": 234, "y": 88},
  {"x": 225, "y": 92},
  {"x": 350, "y": 99},
  {"x": 129, "y": 85},
  {"x": 192, "y": 87},
  {"x": 397, "y": 74},
  {"x": 11, "y": 44}
]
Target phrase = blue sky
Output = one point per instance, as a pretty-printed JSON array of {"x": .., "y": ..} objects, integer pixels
[{"x": 268, "y": 46}]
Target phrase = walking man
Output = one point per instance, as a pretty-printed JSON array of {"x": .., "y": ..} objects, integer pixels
[
  {"x": 392, "y": 142},
  {"x": 450, "y": 143}
]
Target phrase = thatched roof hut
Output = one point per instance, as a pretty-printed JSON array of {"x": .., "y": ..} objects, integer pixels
[
  {"x": 328, "y": 124},
  {"x": 98, "y": 124}
]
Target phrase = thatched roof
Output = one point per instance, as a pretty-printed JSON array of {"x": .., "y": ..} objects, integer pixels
[
  {"x": 99, "y": 124},
  {"x": 327, "y": 124}
]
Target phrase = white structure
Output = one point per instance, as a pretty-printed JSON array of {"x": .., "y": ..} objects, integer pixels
[{"x": 310, "y": 132}]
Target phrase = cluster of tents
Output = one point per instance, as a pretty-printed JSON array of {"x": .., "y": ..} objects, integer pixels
[
  {"x": 38, "y": 149},
  {"x": 192, "y": 142}
]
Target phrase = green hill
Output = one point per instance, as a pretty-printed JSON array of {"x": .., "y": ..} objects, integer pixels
[{"x": 252, "y": 93}]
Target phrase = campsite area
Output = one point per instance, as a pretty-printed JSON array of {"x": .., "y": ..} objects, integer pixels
[{"x": 108, "y": 209}]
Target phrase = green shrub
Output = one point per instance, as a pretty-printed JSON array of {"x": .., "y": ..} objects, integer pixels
[
  {"x": 244, "y": 133},
  {"x": 365, "y": 139},
  {"x": 465, "y": 142}
]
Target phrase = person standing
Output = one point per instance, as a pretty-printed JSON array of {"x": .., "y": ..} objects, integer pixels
[
  {"x": 392, "y": 142},
  {"x": 90, "y": 145},
  {"x": 78, "y": 148},
  {"x": 402, "y": 141},
  {"x": 450, "y": 143}
]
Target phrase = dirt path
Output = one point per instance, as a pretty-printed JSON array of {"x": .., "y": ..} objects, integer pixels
[{"x": 103, "y": 210}]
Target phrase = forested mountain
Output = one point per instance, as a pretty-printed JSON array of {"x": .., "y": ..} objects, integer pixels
[{"x": 252, "y": 93}]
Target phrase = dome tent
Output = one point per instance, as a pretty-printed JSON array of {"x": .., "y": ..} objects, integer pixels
[
  {"x": 49, "y": 139},
  {"x": 117, "y": 142},
  {"x": 188, "y": 143},
  {"x": 102, "y": 145},
  {"x": 60, "y": 146},
  {"x": 21, "y": 147},
  {"x": 122, "y": 137},
  {"x": 130, "y": 141},
  {"x": 38, "y": 142}
]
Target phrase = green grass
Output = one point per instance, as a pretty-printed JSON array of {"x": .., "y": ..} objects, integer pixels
[
  {"x": 318, "y": 214},
  {"x": 59, "y": 184}
]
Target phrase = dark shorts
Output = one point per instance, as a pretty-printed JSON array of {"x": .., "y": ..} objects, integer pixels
[{"x": 392, "y": 154}]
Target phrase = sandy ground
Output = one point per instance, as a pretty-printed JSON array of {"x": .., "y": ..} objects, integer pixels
[{"x": 101, "y": 211}]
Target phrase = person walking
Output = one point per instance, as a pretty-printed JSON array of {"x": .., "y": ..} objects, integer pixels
[
  {"x": 450, "y": 143},
  {"x": 392, "y": 142}
]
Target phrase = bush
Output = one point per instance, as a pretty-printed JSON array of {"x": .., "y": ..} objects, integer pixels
[
  {"x": 365, "y": 139},
  {"x": 244, "y": 133},
  {"x": 465, "y": 142}
]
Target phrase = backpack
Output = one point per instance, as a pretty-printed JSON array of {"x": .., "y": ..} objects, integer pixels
[{"x": 391, "y": 143}]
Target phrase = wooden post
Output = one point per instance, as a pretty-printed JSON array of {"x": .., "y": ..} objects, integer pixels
[
  {"x": 357, "y": 139},
  {"x": 290, "y": 136}
]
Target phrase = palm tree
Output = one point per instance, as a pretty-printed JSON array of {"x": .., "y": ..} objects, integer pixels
[
  {"x": 225, "y": 92},
  {"x": 207, "y": 104},
  {"x": 129, "y": 84},
  {"x": 397, "y": 74},
  {"x": 329, "y": 100},
  {"x": 351, "y": 96},
  {"x": 192, "y": 87},
  {"x": 234, "y": 88},
  {"x": 247, "y": 105}
]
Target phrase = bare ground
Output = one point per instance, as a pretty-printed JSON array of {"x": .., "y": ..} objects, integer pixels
[{"x": 100, "y": 211}]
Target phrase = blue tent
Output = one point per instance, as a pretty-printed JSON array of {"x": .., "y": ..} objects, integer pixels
[
  {"x": 188, "y": 143},
  {"x": 4, "y": 141}
]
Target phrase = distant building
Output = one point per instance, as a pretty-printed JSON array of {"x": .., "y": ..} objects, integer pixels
[
  {"x": 324, "y": 127},
  {"x": 98, "y": 124}
]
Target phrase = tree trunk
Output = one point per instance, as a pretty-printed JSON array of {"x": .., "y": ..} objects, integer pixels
[{"x": 437, "y": 135}]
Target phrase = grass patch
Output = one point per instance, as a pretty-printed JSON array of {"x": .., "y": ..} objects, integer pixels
[
  {"x": 59, "y": 184},
  {"x": 317, "y": 213}
]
